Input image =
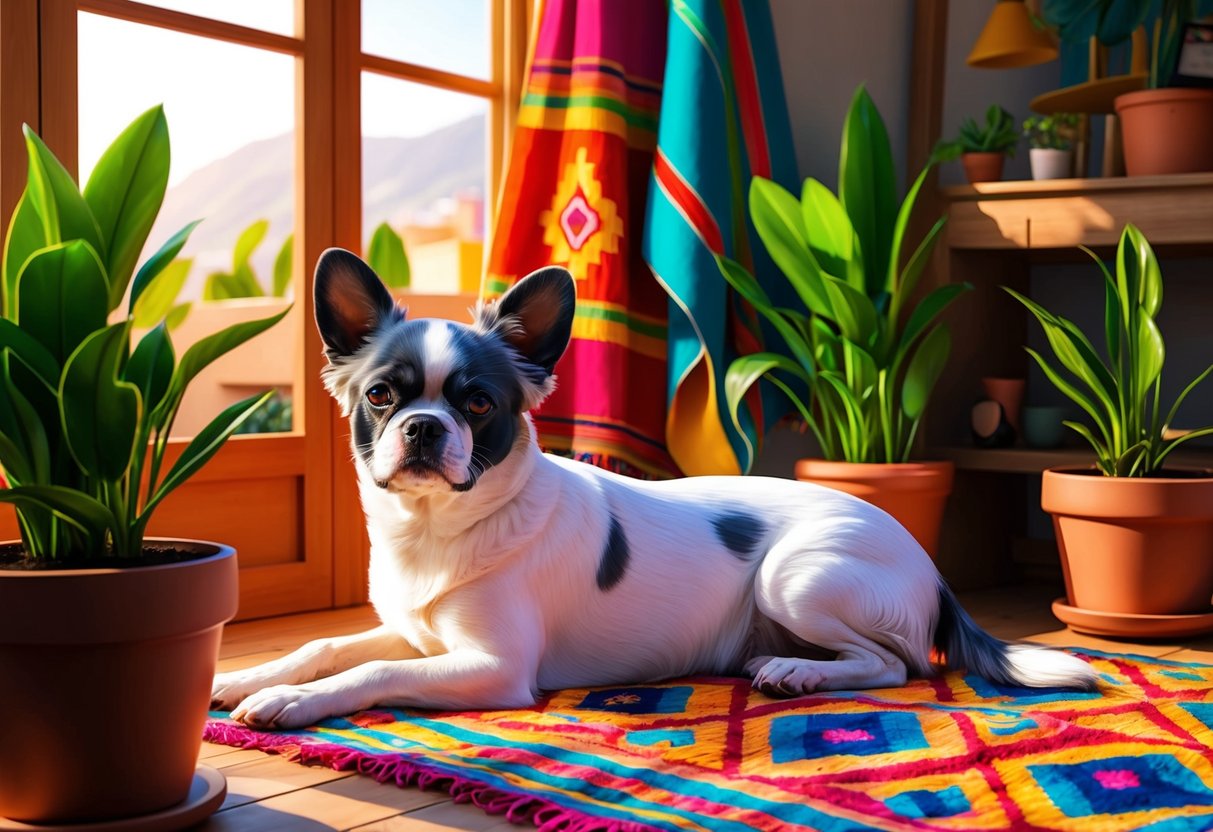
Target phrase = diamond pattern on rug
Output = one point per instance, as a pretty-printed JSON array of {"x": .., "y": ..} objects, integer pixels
[{"x": 949, "y": 753}]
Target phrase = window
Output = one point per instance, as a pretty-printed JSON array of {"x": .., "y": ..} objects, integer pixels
[{"x": 313, "y": 120}]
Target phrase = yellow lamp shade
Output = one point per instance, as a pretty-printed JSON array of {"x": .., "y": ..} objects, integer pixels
[{"x": 1010, "y": 40}]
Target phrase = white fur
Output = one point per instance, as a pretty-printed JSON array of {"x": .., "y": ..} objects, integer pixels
[{"x": 489, "y": 597}]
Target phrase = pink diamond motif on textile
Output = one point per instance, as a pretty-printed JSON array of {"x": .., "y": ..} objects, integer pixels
[
  {"x": 837, "y": 735},
  {"x": 578, "y": 221},
  {"x": 1117, "y": 779}
]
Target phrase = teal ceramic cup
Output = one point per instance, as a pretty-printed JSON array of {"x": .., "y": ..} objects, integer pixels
[{"x": 1042, "y": 427}]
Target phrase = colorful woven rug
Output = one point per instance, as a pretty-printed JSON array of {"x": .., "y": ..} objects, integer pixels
[{"x": 951, "y": 753}]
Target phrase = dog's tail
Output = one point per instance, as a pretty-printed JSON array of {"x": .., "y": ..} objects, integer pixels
[{"x": 965, "y": 645}]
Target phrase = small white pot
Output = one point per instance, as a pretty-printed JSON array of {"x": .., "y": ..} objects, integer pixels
[{"x": 1048, "y": 163}]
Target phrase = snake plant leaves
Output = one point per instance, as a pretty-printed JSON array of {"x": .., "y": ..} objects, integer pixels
[
  {"x": 99, "y": 410},
  {"x": 866, "y": 185},
  {"x": 61, "y": 297},
  {"x": 26, "y": 452},
  {"x": 124, "y": 193},
  {"x": 150, "y": 367},
  {"x": 82, "y": 511},
  {"x": 749, "y": 288},
  {"x": 30, "y": 352},
  {"x": 25, "y": 236},
  {"x": 745, "y": 371},
  {"x": 284, "y": 266},
  {"x": 387, "y": 257},
  {"x": 206, "y": 444},
  {"x": 930, "y": 308},
  {"x": 57, "y": 200},
  {"x": 852, "y": 310},
  {"x": 1139, "y": 279},
  {"x": 830, "y": 235},
  {"x": 158, "y": 299},
  {"x": 780, "y": 224},
  {"x": 924, "y": 370},
  {"x": 248, "y": 241},
  {"x": 1150, "y": 353},
  {"x": 159, "y": 261}
]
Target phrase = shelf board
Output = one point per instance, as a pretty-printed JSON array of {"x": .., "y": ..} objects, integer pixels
[{"x": 1033, "y": 461}]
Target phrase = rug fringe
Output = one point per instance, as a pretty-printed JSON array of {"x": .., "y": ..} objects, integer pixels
[{"x": 517, "y": 807}]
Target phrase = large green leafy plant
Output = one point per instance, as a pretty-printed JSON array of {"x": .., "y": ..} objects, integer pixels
[
  {"x": 84, "y": 419},
  {"x": 857, "y": 367},
  {"x": 1120, "y": 391}
]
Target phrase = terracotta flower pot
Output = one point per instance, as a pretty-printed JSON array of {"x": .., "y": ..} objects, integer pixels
[
  {"x": 1133, "y": 546},
  {"x": 913, "y": 492},
  {"x": 106, "y": 684},
  {"x": 1167, "y": 131},
  {"x": 983, "y": 167}
]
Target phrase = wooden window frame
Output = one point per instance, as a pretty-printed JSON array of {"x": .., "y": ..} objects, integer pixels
[{"x": 38, "y": 78}]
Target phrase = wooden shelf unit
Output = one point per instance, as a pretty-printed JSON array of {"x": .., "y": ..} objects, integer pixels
[{"x": 996, "y": 232}]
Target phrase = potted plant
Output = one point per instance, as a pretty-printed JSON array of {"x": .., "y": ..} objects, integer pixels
[
  {"x": 1136, "y": 537},
  {"x": 1165, "y": 129},
  {"x": 982, "y": 150},
  {"x": 108, "y": 640},
  {"x": 857, "y": 363},
  {"x": 1050, "y": 149}
]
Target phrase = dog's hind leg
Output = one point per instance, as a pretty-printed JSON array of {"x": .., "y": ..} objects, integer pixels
[
  {"x": 835, "y": 588},
  {"x": 314, "y": 660}
]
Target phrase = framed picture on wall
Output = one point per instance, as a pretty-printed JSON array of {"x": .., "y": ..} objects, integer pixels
[{"x": 1194, "y": 63}]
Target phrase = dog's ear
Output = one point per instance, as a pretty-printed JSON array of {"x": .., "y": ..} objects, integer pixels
[
  {"x": 351, "y": 302},
  {"x": 535, "y": 316}
]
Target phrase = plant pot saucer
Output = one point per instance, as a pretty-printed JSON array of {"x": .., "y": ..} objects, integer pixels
[
  {"x": 206, "y": 794},
  {"x": 1132, "y": 625}
]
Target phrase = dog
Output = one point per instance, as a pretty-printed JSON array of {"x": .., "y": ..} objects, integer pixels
[{"x": 499, "y": 572}]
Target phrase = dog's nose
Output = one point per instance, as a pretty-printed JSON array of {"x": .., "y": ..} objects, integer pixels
[{"x": 422, "y": 430}]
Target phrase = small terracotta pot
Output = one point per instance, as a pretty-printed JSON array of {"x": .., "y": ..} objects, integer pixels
[
  {"x": 983, "y": 167},
  {"x": 1167, "y": 131},
  {"x": 914, "y": 493},
  {"x": 1133, "y": 545},
  {"x": 106, "y": 682}
]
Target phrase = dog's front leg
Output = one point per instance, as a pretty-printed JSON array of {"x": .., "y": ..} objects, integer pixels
[
  {"x": 314, "y": 660},
  {"x": 461, "y": 680}
]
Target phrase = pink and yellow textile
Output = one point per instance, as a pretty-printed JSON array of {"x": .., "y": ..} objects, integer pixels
[{"x": 950, "y": 753}]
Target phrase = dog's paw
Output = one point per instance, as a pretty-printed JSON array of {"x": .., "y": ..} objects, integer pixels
[
  {"x": 781, "y": 677},
  {"x": 230, "y": 689},
  {"x": 284, "y": 706}
]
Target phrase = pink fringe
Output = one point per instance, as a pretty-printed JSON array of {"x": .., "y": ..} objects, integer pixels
[{"x": 517, "y": 807}]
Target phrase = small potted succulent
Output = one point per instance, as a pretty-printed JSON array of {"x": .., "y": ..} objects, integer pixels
[
  {"x": 1050, "y": 145},
  {"x": 108, "y": 640},
  {"x": 1136, "y": 536},
  {"x": 982, "y": 149},
  {"x": 857, "y": 362}
]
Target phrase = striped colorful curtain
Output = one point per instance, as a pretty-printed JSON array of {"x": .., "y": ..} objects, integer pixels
[
  {"x": 583, "y": 189},
  {"x": 723, "y": 120}
]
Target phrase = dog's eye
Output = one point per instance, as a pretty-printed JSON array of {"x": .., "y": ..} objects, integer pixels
[
  {"x": 379, "y": 396},
  {"x": 479, "y": 404}
]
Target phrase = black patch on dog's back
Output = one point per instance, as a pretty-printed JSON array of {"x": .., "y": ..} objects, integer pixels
[
  {"x": 614, "y": 557},
  {"x": 739, "y": 532}
]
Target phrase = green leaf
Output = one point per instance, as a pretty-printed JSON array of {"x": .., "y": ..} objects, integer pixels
[
  {"x": 749, "y": 288},
  {"x": 177, "y": 315},
  {"x": 899, "y": 229},
  {"x": 100, "y": 412},
  {"x": 77, "y": 508},
  {"x": 745, "y": 371},
  {"x": 1139, "y": 279},
  {"x": 284, "y": 266},
  {"x": 852, "y": 311},
  {"x": 866, "y": 185},
  {"x": 908, "y": 281},
  {"x": 1103, "y": 453},
  {"x": 247, "y": 242},
  {"x": 1104, "y": 420},
  {"x": 780, "y": 224},
  {"x": 208, "y": 349},
  {"x": 61, "y": 297},
  {"x": 1150, "y": 353},
  {"x": 125, "y": 192},
  {"x": 159, "y": 261},
  {"x": 1180, "y": 399},
  {"x": 205, "y": 445},
  {"x": 30, "y": 352},
  {"x": 924, "y": 370},
  {"x": 151, "y": 366},
  {"x": 829, "y": 233},
  {"x": 56, "y": 198},
  {"x": 928, "y": 309},
  {"x": 386, "y": 256},
  {"x": 19, "y": 422},
  {"x": 160, "y": 295},
  {"x": 25, "y": 236}
]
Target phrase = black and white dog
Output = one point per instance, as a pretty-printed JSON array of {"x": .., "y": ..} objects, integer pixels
[{"x": 499, "y": 572}]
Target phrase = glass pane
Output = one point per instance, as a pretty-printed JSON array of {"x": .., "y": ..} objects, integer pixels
[
  {"x": 233, "y": 164},
  {"x": 276, "y": 16},
  {"x": 451, "y": 35},
  {"x": 423, "y": 173}
]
